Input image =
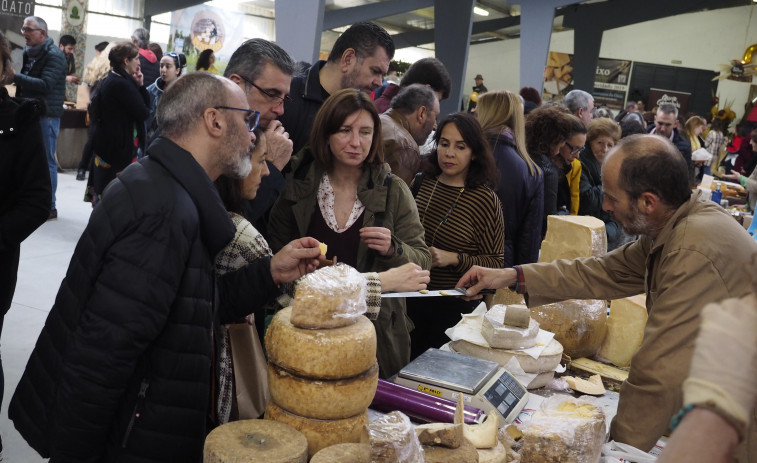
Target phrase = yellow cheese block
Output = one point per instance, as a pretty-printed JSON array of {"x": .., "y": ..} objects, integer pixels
[
  {"x": 255, "y": 441},
  {"x": 572, "y": 236},
  {"x": 320, "y": 433},
  {"x": 625, "y": 330},
  {"x": 330, "y": 297},
  {"x": 325, "y": 354},
  {"x": 344, "y": 453},
  {"x": 608, "y": 372},
  {"x": 323, "y": 399}
]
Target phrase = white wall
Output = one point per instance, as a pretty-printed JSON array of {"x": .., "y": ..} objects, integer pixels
[{"x": 699, "y": 40}]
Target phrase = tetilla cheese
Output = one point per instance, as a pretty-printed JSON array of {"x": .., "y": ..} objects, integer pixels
[
  {"x": 325, "y": 354},
  {"x": 255, "y": 441},
  {"x": 579, "y": 325},
  {"x": 502, "y": 336},
  {"x": 625, "y": 330},
  {"x": 547, "y": 361},
  {"x": 320, "y": 433},
  {"x": 330, "y": 297},
  {"x": 343, "y": 453},
  {"x": 323, "y": 399},
  {"x": 572, "y": 236}
]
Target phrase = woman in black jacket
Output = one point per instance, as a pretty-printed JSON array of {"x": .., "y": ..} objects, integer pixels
[
  {"x": 122, "y": 106},
  {"x": 521, "y": 185}
]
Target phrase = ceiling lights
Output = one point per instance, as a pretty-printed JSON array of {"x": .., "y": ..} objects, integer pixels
[{"x": 482, "y": 12}]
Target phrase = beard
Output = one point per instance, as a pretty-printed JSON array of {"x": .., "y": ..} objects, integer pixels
[
  {"x": 236, "y": 162},
  {"x": 639, "y": 224}
]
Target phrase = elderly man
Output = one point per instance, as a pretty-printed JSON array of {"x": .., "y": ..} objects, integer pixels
[
  {"x": 674, "y": 262},
  {"x": 359, "y": 59},
  {"x": 407, "y": 124},
  {"x": 665, "y": 126},
  {"x": 581, "y": 104},
  {"x": 43, "y": 76},
  {"x": 122, "y": 369}
]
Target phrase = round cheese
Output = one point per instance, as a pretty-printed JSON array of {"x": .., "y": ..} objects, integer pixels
[
  {"x": 547, "y": 361},
  {"x": 320, "y": 433},
  {"x": 252, "y": 441},
  {"x": 319, "y": 398},
  {"x": 579, "y": 325},
  {"x": 343, "y": 453},
  {"x": 501, "y": 336},
  {"x": 330, "y": 297},
  {"x": 326, "y": 354},
  {"x": 497, "y": 454}
]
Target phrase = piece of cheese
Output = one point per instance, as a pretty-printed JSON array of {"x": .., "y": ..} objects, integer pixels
[
  {"x": 517, "y": 315},
  {"x": 255, "y": 441},
  {"x": 625, "y": 330},
  {"x": 484, "y": 435},
  {"x": 393, "y": 440},
  {"x": 593, "y": 386},
  {"x": 496, "y": 454},
  {"x": 572, "y": 236},
  {"x": 466, "y": 453},
  {"x": 541, "y": 380},
  {"x": 330, "y": 297},
  {"x": 326, "y": 354},
  {"x": 445, "y": 434},
  {"x": 503, "y": 296},
  {"x": 343, "y": 453},
  {"x": 579, "y": 325},
  {"x": 320, "y": 398},
  {"x": 546, "y": 362},
  {"x": 605, "y": 371},
  {"x": 502, "y": 336},
  {"x": 323, "y": 247},
  {"x": 320, "y": 433}
]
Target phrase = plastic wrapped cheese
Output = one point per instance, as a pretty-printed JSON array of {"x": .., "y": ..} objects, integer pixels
[
  {"x": 502, "y": 336},
  {"x": 579, "y": 325},
  {"x": 330, "y": 297},
  {"x": 572, "y": 236},
  {"x": 393, "y": 440}
]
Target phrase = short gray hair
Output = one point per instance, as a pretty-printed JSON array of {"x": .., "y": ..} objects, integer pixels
[
  {"x": 412, "y": 97},
  {"x": 142, "y": 37},
  {"x": 251, "y": 57},
  {"x": 668, "y": 109},
  {"x": 40, "y": 22},
  {"x": 182, "y": 105},
  {"x": 577, "y": 99}
]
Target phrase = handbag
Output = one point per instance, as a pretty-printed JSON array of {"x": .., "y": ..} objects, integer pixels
[{"x": 250, "y": 370}]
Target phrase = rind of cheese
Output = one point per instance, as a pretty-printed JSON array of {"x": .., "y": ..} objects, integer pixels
[
  {"x": 330, "y": 297},
  {"x": 445, "y": 434},
  {"x": 255, "y": 441},
  {"x": 573, "y": 236},
  {"x": 593, "y": 386},
  {"x": 326, "y": 354},
  {"x": 496, "y": 454},
  {"x": 320, "y": 433},
  {"x": 625, "y": 330},
  {"x": 466, "y": 453},
  {"x": 343, "y": 453},
  {"x": 484, "y": 435},
  {"x": 579, "y": 325},
  {"x": 324, "y": 399},
  {"x": 502, "y": 336},
  {"x": 546, "y": 362}
]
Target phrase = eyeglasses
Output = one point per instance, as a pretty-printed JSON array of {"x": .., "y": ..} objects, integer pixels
[
  {"x": 252, "y": 120},
  {"x": 278, "y": 99},
  {"x": 24, "y": 30},
  {"x": 573, "y": 149}
]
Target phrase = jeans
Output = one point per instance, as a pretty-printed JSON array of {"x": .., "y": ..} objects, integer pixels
[{"x": 50, "y": 129}]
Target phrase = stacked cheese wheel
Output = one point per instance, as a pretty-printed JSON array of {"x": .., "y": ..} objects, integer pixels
[{"x": 322, "y": 379}]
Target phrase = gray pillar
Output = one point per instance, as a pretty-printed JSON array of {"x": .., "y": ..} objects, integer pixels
[
  {"x": 298, "y": 28},
  {"x": 588, "y": 40},
  {"x": 453, "y": 20}
]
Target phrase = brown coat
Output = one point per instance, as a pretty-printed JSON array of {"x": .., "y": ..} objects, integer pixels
[
  {"x": 400, "y": 150},
  {"x": 680, "y": 272}
]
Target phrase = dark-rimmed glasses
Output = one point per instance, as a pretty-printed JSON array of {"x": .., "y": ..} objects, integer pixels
[
  {"x": 252, "y": 120},
  {"x": 573, "y": 149},
  {"x": 278, "y": 99}
]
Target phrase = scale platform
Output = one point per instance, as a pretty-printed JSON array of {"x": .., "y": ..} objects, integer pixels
[{"x": 483, "y": 383}]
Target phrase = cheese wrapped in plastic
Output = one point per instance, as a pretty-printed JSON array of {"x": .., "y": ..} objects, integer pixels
[
  {"x": 393, "y": 440},
  {"x": 330, "y": 297},
  {"x": 579, "y": 325}
]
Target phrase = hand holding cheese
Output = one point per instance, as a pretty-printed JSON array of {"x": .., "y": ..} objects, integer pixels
[{"x": 295, "y": 260}]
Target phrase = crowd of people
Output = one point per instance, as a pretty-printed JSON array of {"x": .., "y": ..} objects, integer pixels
[{"x": 260, "y": 165}]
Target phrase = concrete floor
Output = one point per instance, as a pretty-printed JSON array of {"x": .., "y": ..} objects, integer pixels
[{"x": 44, "y": 260}]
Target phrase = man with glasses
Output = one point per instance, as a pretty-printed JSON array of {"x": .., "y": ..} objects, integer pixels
[
  {"x": 43, "y": 76},
  {"x": 123, "y": 366}
]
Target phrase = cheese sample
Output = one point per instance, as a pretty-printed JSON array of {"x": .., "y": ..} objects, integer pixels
[
  {"x": 323, "y": 247},
  {"x": 564, "y": 430},
  {"x": 393, "y": 440},
  {"x": 321, "y": 398},
  {"x": 579, "y": 325},
  {"x": 547, "y": 361},
  {"x": 466, "y": 453},
  {"x": 343, "y": 453},
  {"x": 517, "y": 315},
  {"x": 593, "y": 386},
  {"x": 444, "y": 434},
  {"x": 496, "y": 454},
  {"x": 330, "y": 297},
  {"x": 255, "y": 441},
  {"x": 625, "y": 330},
  {"x": 320, "y": 433},
  {"x": 484, "y": 435},
  {"x": 501, "y": 336},
  {"x": 572, "y": 236},
  {"x": 312, "y": 353}
]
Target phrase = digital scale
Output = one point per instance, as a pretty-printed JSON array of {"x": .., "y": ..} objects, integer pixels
[{"x": 483, "y": 383}]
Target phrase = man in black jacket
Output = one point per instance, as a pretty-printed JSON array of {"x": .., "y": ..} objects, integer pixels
[
  {"x": 122, "y": 368},
  {"x": 665, "y": 126}
]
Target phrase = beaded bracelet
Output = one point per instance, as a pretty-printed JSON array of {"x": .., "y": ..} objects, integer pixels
[{"x": 736, "y": 424}]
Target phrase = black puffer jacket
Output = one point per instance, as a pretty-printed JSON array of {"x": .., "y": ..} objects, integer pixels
[
  {"x": 130, "y": 332},
  {"x": 551, "y": 181}
]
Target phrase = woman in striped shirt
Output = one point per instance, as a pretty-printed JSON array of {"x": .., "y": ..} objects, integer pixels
[{"x": 462, "y": 219}]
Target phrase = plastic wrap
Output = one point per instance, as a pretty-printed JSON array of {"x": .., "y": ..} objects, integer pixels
[
  {"x": 501, "y": 336},
  {"x": 393, "y": 440},
  {"x": 420, "y": 406},
  {"x": 579, "y": 325},
  {"x": 564, "y": 430},
  {"x": 330, "y": 297}
]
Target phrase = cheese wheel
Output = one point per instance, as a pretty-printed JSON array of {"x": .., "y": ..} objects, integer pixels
[
  {"x": 330, "y": 297},
  {"x": 251, "y": 441},
  {"x": 326, "y": 354},
  {"x": 320, "y": 433},
  {"x": 579, "y": 325},
  {"x": 497, "y": 454},
  {"x": 501, "y": 336},
  {"x": 572, "y": 236},
  {"x": 324, "y": 399},
  {"x": 547, "y": 361},
  {"x": 466, "y": 453},
  {"x": 344, "y": 453}
]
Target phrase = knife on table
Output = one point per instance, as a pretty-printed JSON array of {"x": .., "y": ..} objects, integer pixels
[{"x": 441, "y": 292}]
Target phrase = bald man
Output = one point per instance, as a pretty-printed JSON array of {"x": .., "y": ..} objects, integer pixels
[{"x": 675, "y": 262}]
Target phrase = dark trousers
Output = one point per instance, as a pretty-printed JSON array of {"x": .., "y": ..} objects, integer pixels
[
  {"x": 87, "y": 151},
  {"x": 432, "y": 316}
]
